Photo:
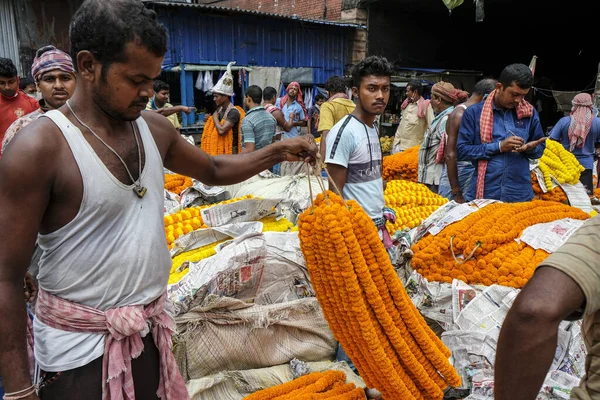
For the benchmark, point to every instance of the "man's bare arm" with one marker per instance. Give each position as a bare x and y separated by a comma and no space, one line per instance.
452,127
338,174
25,188
184,158
529,334
280,118
223,128
173,110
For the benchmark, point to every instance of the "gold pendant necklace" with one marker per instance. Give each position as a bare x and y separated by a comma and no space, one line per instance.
138,189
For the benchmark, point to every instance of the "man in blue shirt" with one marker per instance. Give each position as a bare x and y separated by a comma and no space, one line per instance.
293,109
579,133
512,134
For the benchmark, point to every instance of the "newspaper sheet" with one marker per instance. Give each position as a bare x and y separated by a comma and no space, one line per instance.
540,178
457,213
574,361
240,211
578,196
462,294
551,235
557,385
487,311
235,271
204,237
199,194
432,299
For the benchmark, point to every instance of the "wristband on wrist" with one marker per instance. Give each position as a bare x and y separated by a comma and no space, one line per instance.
500,146
456,191
21,394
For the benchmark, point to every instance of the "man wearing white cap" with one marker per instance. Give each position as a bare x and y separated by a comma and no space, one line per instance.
226,111
54,75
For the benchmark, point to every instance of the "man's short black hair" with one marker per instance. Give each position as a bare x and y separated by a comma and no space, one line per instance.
255,93
520,74
371,66
7,68
485,86
26,82
269,93
104,27
335,84
320,97
416,86
160,85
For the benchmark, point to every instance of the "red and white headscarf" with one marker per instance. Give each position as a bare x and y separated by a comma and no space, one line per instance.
49,58
299,99
581,120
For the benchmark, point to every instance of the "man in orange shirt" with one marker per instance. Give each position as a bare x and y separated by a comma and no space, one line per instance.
14,103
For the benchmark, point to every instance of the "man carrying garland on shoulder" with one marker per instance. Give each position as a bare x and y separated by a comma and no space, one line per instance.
222,129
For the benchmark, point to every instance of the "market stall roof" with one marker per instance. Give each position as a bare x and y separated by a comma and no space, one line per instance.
238,10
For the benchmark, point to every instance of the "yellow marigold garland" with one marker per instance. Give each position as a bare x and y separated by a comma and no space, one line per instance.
215,144
366,306
403,165
413,202
177,183
481,248
559,163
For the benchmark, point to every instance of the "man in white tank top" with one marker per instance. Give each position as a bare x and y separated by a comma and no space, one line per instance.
87,181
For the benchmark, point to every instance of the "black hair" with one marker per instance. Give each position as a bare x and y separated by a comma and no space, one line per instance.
335,84
269,93
7,68
160,85
104,27
416,86
520,74
255,93
372,65
320,97
485,86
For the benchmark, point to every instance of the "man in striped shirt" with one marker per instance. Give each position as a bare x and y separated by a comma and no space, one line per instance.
259,126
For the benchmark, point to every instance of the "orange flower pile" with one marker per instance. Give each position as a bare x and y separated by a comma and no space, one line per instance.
177,183
366,306
189,220
557,194
596,193
413,202
404,165
481,248
317,385
215,144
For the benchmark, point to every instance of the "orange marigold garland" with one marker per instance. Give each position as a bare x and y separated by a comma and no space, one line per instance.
557,194
366,305
215,144
481,248
177,183
314,386
402,165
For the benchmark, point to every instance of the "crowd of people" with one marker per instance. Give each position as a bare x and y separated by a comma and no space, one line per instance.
480,147
92,200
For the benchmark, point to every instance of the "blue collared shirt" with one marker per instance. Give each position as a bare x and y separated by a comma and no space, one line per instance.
585,154
287,110
507,177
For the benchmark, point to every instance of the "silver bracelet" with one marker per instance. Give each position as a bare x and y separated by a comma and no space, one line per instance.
21,394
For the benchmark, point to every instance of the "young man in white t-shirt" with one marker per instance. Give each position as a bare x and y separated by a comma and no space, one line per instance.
353,152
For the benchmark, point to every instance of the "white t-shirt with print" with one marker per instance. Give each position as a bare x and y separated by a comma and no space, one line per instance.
355,146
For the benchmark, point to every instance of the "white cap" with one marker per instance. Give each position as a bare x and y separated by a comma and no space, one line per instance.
225,84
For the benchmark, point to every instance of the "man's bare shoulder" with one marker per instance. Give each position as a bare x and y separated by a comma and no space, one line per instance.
162,130
457,114
38,140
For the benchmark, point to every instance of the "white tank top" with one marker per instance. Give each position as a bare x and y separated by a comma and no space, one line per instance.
112,254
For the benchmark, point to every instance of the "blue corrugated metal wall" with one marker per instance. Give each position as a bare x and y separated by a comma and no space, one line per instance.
198,37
